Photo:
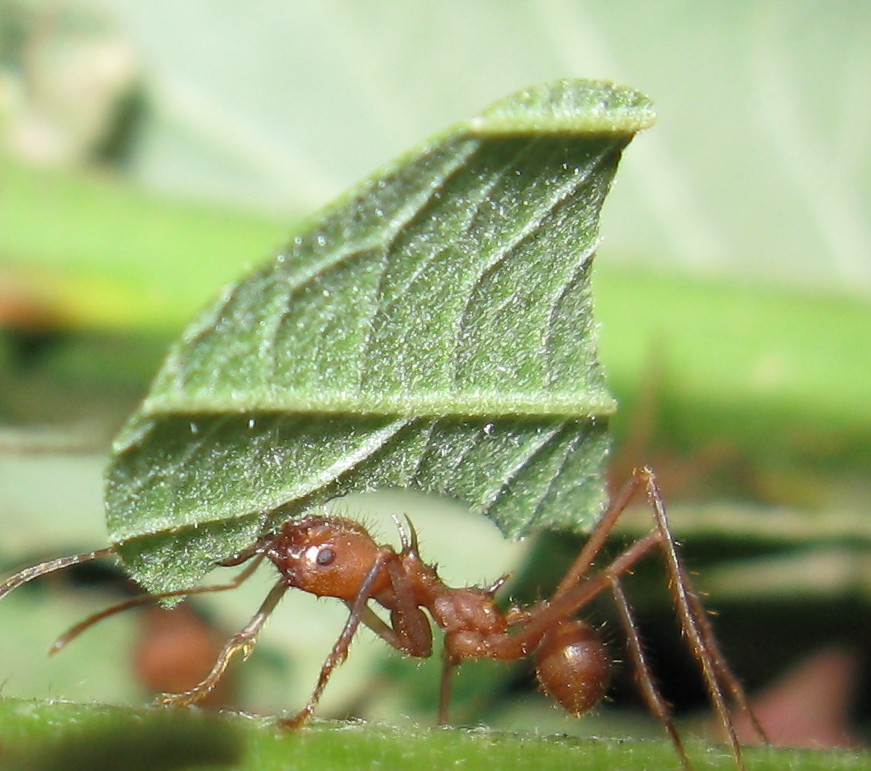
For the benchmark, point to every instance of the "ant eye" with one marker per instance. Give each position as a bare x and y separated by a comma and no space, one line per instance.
325,556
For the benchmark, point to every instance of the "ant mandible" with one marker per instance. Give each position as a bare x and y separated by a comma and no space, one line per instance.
332,556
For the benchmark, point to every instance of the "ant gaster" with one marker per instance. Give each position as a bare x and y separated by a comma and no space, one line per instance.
331,556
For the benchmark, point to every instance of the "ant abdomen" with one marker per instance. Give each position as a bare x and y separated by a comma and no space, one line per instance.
573,666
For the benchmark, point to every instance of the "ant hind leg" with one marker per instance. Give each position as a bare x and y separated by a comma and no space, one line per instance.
695,625
652,697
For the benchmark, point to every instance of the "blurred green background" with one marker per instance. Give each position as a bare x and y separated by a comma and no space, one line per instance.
150,152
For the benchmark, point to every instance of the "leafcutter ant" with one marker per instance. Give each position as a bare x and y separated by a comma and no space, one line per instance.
332,556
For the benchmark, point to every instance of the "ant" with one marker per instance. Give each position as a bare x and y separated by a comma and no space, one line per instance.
331,556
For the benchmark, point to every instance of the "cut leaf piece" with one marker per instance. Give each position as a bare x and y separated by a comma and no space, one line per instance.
433,329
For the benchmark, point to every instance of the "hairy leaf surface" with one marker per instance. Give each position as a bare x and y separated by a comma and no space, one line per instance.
432,329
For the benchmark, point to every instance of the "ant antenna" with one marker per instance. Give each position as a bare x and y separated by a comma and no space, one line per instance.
146,599
50,566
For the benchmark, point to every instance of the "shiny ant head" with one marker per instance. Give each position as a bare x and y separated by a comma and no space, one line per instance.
327,556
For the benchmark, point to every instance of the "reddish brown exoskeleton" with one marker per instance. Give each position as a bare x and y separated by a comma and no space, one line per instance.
336,557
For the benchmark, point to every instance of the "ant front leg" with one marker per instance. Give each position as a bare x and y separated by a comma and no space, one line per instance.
411,632
243,641
359,612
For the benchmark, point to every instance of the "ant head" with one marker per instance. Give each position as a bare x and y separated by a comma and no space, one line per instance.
327,556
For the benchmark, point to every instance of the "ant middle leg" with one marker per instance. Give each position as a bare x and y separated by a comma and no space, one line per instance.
450,662
449,666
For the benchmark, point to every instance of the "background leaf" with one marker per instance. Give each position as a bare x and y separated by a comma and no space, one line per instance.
431,330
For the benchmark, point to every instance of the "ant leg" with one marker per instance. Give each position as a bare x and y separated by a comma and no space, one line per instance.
340,648
372,621
736,690
655,703
574,590
449,666
693,615
74,631
243,641
450,663
533,625
50,566
696,627
420,648
424,649
600,534
411,632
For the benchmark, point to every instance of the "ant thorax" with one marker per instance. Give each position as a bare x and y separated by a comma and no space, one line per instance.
470,620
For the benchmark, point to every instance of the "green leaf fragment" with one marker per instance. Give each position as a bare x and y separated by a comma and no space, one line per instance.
433,329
